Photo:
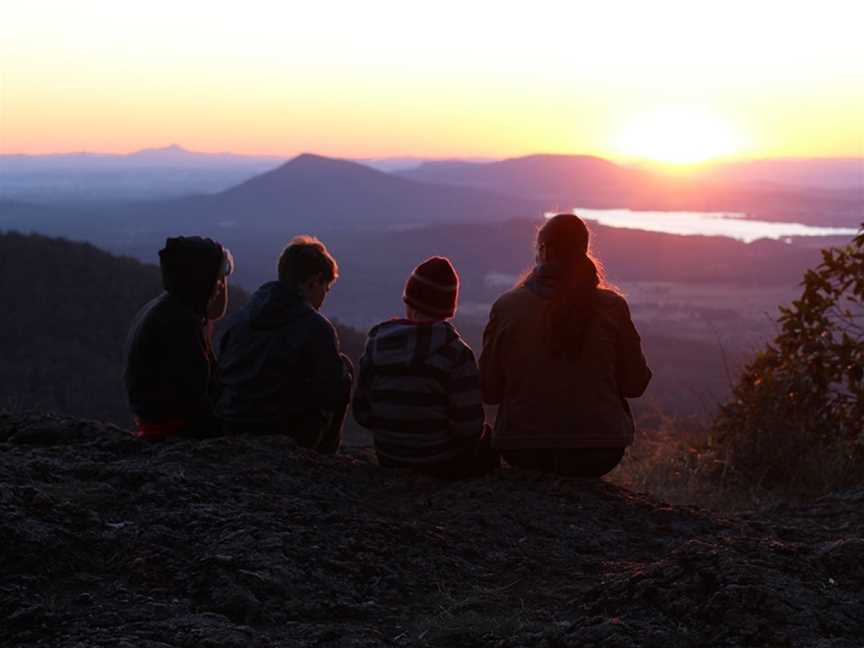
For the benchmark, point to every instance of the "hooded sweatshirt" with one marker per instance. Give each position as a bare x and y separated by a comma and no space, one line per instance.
419,392
170,373
279,360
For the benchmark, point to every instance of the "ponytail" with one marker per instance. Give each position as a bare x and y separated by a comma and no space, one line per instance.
568,313
563,244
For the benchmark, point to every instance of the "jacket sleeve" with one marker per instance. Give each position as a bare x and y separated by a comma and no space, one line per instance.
361,403
492,378
464,405
331,373
632,370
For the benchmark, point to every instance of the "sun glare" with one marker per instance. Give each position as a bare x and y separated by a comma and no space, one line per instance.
677,136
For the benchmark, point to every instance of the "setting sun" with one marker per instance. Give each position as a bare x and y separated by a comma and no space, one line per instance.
677,136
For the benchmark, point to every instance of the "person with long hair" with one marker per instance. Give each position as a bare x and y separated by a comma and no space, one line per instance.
560,357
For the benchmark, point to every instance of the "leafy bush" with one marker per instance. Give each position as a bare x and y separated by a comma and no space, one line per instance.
796,417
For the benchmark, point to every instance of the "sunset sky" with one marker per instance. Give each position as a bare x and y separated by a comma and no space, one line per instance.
676,81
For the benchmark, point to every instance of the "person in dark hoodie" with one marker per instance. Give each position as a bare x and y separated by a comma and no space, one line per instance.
561,356
418,388
171,375
279,359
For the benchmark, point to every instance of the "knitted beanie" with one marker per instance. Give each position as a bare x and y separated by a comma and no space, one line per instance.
433,288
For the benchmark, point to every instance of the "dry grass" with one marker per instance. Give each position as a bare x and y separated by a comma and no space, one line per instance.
680,461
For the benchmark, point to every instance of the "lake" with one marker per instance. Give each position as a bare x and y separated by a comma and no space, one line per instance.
732,224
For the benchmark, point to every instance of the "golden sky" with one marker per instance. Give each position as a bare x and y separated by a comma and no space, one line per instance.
671,80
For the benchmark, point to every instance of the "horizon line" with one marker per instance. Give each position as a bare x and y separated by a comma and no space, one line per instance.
424,158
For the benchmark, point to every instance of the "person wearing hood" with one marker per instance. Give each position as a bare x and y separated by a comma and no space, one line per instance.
280,364
171,375
560,357
418,388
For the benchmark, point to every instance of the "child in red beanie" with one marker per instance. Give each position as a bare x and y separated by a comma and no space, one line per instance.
419,387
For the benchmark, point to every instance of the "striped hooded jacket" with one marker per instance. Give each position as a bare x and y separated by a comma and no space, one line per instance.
418,390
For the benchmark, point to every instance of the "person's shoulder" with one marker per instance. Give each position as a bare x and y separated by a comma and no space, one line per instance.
513,298
383,327
318,323
610,297
450,333
167,311
454,345
612,302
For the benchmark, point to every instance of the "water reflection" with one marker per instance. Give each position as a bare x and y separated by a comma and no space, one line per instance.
731,224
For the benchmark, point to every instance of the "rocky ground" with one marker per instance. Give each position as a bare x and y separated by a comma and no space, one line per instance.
247,542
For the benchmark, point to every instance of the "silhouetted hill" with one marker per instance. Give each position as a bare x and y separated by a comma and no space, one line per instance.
251,541
809,173
556,179
338,193
310,194
67,307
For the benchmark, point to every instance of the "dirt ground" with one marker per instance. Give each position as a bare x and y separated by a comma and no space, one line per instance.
248,541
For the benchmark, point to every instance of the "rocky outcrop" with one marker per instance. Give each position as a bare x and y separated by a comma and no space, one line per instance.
109,541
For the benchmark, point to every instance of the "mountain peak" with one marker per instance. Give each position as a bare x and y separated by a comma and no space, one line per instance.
172,150
313,161
310,166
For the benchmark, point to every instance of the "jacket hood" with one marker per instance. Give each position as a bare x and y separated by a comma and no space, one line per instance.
404,342
190,266
275,304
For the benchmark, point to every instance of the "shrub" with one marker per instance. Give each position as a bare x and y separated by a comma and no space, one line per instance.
796,417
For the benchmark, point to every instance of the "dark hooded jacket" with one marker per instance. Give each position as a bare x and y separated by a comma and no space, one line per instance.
279,361
171,373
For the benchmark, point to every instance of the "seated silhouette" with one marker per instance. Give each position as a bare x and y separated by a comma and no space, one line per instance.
170,375
560,357
418,386
279,358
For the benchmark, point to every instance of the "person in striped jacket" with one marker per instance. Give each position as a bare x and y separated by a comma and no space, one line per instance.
418,388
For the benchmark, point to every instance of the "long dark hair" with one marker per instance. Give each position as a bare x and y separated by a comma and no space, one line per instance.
562,246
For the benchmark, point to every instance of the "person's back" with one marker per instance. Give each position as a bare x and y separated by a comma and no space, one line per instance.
556,400
418,388
560,357
279,359
170,375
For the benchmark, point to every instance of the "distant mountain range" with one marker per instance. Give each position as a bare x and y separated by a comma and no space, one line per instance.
349,204
169,156
550,178
149,174
564,182
825,173
334,199
774,186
